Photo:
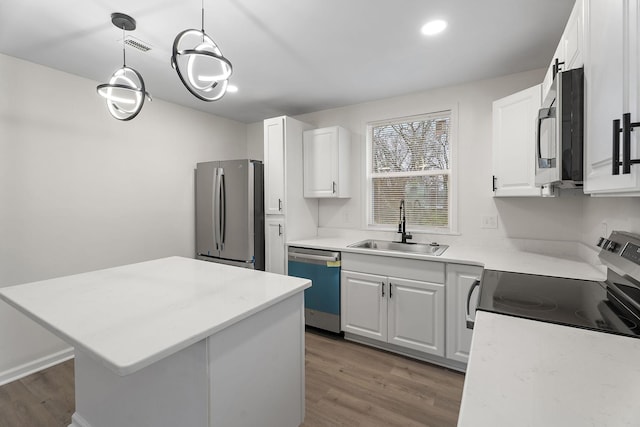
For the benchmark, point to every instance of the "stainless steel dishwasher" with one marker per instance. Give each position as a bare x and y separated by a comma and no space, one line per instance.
322,299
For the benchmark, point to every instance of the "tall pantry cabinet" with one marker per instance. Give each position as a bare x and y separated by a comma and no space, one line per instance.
288,215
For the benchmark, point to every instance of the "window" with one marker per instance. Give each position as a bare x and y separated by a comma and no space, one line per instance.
410,159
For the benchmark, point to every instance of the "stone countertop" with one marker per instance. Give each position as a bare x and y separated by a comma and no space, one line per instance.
524,373
132,316
490,258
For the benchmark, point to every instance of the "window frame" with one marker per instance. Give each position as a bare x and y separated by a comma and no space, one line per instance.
453,173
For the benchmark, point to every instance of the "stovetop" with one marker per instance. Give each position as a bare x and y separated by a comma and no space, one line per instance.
570,302
611,306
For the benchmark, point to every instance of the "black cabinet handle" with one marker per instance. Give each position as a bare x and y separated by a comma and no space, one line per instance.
557,67
382,288
615,155
627,127
627,161
493,183
626,143
390,290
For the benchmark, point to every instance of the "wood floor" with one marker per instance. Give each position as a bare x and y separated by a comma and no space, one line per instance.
347,384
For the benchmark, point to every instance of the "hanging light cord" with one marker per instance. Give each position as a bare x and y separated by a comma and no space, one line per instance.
202,21
124,54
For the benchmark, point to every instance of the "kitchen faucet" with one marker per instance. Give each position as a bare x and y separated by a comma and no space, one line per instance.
402,227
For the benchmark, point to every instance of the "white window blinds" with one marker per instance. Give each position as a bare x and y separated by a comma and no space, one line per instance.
410,161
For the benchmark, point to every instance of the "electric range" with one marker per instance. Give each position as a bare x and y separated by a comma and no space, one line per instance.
611,306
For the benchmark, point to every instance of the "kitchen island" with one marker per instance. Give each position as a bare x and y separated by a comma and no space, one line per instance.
177,341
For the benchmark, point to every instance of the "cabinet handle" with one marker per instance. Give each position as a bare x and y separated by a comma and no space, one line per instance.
279,229
557,67
493,183
627,127
475,284
615,155
334,187
383,289
280,204
390,290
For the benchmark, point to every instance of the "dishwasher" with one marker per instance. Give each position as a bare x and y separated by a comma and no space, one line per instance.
322,299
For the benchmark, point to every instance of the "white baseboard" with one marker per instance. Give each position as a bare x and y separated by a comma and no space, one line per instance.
35,366
78,421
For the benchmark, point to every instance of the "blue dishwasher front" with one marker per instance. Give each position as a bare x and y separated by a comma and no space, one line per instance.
322,299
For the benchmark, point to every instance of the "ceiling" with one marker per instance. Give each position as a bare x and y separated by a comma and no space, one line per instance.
292,56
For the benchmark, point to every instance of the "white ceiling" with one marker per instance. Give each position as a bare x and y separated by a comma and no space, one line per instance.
293,56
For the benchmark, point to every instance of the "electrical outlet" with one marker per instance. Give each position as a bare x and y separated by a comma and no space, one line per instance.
489,221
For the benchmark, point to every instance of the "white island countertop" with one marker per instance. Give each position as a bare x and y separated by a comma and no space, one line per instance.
132,316
489,257
525,373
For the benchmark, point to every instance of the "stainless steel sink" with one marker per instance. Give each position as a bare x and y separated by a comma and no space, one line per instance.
416,248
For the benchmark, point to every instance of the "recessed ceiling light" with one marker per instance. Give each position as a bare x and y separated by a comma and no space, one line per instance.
434,27
232,88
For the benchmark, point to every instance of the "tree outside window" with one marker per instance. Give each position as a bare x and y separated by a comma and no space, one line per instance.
410,161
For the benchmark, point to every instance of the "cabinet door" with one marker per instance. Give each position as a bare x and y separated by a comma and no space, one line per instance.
611,76
416,315
460,279
363,308
275,245
320,152
550,74
274,166
514,119
572,44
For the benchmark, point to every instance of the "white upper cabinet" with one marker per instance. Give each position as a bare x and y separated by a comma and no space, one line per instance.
326,154
569,53
612,89
514,119
274,166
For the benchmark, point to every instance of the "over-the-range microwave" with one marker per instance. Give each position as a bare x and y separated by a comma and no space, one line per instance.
560,128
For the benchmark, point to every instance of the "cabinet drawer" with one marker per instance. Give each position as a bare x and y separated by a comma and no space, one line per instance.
426,271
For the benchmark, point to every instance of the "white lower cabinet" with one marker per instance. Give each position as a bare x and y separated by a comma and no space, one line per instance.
416,315
364,305
404,311
274,243
461,305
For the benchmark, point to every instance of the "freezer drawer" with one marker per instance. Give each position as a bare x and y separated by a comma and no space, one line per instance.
322,299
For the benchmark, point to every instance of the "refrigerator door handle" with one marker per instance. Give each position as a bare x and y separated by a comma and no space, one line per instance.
216,207
223,209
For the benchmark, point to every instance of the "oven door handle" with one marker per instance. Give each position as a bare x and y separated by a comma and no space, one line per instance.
475,284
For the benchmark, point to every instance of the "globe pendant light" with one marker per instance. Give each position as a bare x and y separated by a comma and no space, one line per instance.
125,92
201,68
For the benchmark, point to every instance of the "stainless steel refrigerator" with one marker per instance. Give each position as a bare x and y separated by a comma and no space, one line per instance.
230,212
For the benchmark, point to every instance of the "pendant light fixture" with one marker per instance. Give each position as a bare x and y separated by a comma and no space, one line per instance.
201,68
125,92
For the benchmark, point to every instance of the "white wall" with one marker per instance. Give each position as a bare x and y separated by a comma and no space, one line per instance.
601,215
521,218
81,191
255,141
568,218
